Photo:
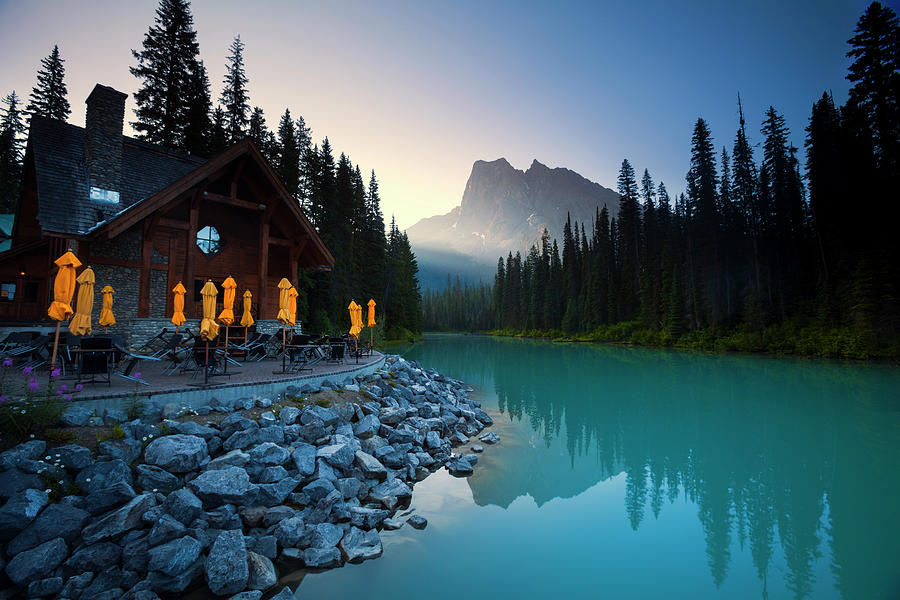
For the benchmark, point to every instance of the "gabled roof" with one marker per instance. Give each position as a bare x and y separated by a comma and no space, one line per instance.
64,204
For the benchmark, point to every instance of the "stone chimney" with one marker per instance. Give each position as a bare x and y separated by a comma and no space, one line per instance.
103,137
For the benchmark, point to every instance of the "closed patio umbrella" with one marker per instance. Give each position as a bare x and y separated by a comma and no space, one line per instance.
227,314
107,318
208,327
292,306
178,306
355,323
371,323
247,318
81,321
284,300
63,289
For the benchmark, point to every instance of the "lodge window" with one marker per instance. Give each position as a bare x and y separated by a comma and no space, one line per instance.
30,294
7,292
208,240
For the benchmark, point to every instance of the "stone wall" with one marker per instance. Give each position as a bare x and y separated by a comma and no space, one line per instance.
126,282
158,293
125,246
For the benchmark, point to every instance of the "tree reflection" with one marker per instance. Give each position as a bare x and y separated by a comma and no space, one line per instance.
774,453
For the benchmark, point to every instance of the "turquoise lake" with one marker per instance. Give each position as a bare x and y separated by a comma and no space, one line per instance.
638,473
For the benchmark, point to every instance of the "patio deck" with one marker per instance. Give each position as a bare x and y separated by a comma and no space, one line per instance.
250,379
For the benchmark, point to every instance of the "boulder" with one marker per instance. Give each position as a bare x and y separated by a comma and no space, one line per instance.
76,416
314,413
284,594
478,448
391,488
76,584
392,415
228,485
367,427
276,514
322,558
489,438
175,557
291,533
271,433
100,501
166,528
417,522
13,481
45,587
267,545
57,520
288,415
272,494
183,505
36,563
459,467
348,487
248,595
96,557
262,572
339,456
178,453
392,524
20,510
325,535
227,571
304,457
272,474
234,458
358,545
192,428
104,473
269,453
370,465
150,478
318,489
367,518
241,439
32,450
73,456
118,521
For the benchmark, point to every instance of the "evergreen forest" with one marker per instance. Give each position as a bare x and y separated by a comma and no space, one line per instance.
770,248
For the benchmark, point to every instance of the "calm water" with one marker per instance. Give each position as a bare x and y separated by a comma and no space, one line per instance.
634,473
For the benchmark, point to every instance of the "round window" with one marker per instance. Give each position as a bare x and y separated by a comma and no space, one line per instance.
209,241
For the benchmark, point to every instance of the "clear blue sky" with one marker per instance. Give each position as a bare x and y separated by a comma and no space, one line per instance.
420,90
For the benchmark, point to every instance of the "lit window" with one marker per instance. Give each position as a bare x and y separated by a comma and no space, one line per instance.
209,241
7,292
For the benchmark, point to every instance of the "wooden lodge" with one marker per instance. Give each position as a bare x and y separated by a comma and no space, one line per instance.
146,217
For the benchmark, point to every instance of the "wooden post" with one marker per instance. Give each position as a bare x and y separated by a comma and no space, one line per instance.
146,255
55,345
263,268
190,251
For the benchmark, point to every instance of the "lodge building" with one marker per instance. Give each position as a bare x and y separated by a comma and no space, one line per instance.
146,217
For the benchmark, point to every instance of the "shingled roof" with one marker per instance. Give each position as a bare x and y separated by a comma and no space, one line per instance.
64,204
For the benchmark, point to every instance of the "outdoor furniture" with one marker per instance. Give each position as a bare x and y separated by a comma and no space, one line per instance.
95,358
304,354
206,359
337,352
259,349
17,339
128,361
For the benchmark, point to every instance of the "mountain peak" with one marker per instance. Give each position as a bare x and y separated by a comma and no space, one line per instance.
538,165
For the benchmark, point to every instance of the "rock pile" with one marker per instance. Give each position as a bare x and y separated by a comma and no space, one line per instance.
177,505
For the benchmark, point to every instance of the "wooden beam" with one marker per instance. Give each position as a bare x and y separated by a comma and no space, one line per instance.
277,241
146,255
263,268
171,275
174,224
190,251
254,206
237,177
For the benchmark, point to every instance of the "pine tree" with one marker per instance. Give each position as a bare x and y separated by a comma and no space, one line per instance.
218,141
48,97
629,240
12,127
167,64
258,131
235,98
287,164
703,215
198,125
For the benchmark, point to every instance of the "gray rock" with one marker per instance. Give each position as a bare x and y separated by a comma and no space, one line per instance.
269,453
76,416
177,453
192,428
267,545
315,413
489,438
242,439
284,594
28,451
235,422
96,557
119,521
367,427
417,522
267,418
234,458
75,585
272,494
183,505
458,439
175,557
57,520
73,456
348,487
231,484
304,457
358,545
100,501
339,456
325,535
248,595
104,473
13,481
477,448
433,440
45,587
392,524
318,489
34,564
153,478
288,415
112,416
322,558
139,594
262,572
370,465
276,514
166,528
272,474
227,571
20,510
471,458
177,584
392,488
290,533
392,415
271,433
367,518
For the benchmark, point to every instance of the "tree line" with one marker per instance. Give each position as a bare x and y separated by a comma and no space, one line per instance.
175,109
760,252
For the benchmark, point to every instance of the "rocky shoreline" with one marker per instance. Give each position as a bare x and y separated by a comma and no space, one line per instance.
173,506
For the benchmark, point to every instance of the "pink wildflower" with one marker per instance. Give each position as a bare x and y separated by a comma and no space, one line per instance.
33,384
54,373
26,371
7,362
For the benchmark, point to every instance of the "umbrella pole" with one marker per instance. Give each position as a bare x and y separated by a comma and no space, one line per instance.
55,346
226,347
283,348
206,366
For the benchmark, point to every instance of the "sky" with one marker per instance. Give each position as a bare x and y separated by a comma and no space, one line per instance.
419,90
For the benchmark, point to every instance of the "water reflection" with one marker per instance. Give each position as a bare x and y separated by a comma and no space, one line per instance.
800,455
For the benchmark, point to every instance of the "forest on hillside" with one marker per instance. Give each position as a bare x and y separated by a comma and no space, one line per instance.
762,252
175,110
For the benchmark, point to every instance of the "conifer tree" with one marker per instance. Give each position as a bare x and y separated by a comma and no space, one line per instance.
235,98
198,124
48,97
629,240
167,64
218,141
258,131
12,127
287,163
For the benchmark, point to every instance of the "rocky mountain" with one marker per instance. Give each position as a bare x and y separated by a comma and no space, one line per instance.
503,210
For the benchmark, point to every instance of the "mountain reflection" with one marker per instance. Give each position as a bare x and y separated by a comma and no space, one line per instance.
772,452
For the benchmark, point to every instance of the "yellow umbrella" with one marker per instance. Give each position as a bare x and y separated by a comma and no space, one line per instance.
371,322
246,319
63,288
208,327
107,319
355,318
81,322
283,299
178,306
292,306
227,314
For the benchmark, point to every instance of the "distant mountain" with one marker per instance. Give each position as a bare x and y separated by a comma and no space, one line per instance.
503,210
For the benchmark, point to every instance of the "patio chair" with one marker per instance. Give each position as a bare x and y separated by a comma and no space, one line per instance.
337,352
259,349
95,358
17,339
128,361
